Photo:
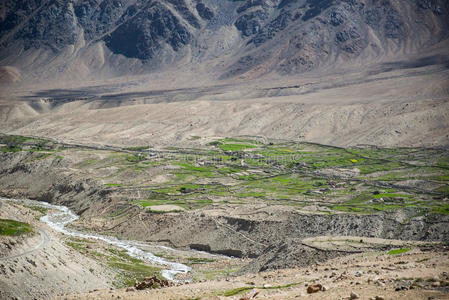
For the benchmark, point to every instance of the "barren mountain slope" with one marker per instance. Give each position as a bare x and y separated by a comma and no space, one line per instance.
79,39
401,107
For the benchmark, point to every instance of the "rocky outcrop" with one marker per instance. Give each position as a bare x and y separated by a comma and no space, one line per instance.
204,11
147,32
45,27
151,283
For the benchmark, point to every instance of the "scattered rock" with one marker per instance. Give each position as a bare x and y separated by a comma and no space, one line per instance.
435,284
354,296
130,289
401,288
379,298
151,283
314,288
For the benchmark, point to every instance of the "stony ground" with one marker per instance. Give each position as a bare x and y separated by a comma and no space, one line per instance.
412,275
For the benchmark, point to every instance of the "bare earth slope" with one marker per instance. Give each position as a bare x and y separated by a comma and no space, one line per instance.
398,107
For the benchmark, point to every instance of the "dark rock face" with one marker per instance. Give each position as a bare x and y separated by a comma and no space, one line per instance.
373,17
249,4
303,34
141,36
394,26
275,26
316,7
250,23
182,8
350,40
386,16
337,17
45,27
15,13
437,6
204,11
98,19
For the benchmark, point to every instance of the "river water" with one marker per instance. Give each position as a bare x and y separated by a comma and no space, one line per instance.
59,216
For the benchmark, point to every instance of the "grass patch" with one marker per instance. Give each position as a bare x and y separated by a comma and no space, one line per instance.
10,148
378,167
191,167
13,139
79,246
41,155
113,184
444,189
398,251
14,228
80,240
346,208
41,210
196,260
124,255
135,158
441,209
235,147
137,148
237,291
130,272
390,195
240,290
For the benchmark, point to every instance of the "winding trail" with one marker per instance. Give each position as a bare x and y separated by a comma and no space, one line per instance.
44,241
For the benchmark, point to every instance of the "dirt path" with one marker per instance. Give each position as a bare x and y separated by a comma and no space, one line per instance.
43,242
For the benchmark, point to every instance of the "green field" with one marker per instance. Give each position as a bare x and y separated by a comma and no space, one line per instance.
361,180
14,228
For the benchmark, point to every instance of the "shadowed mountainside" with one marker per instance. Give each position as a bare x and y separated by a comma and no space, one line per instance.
46,39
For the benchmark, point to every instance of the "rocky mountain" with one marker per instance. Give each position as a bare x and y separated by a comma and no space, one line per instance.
77,38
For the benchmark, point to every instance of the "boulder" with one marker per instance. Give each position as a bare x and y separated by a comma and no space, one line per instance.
151,283
314,288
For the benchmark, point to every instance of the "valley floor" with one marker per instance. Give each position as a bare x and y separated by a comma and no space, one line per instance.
242,172
365,219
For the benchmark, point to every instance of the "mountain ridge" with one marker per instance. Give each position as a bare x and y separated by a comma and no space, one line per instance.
47,39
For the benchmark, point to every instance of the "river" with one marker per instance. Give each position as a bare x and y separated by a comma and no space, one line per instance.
58,217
